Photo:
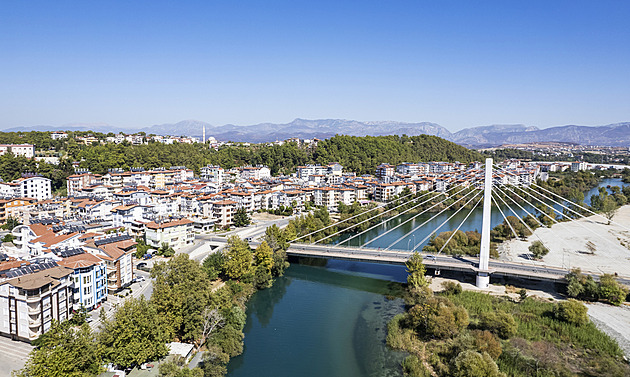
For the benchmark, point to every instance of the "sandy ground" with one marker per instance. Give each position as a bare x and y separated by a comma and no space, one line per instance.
567,245
614,321
264,216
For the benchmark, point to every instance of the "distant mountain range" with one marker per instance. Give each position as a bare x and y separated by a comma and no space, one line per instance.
486,136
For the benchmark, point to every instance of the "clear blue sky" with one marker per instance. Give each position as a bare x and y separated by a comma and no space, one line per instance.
456,63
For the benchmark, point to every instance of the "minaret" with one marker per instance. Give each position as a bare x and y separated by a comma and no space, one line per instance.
204,134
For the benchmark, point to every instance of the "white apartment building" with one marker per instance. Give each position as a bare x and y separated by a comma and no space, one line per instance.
32,298
213,173
56,135
256,172
223,212
35,187
176,233
26,150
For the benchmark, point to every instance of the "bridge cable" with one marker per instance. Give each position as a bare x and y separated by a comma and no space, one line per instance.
386,220
566,223
375,216
424,223
520,219
566,200
460,225
444,222
355,216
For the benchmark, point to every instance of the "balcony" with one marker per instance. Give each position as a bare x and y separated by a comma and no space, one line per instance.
33,298
34,309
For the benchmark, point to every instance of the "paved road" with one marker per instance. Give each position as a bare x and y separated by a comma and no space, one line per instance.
205,244
13,355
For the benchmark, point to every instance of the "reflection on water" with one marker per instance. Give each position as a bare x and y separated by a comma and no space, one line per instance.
318,321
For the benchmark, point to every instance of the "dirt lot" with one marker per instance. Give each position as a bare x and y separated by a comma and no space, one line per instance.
567,245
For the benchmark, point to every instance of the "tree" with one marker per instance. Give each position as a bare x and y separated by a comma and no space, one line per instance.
181,292
10,223
212,319
8,238
447,321
64,351
609,207
474,364
136,334
177,368
241,218
263,256
166,251
590,246
238,258
571,311
538,250
416,271
214,265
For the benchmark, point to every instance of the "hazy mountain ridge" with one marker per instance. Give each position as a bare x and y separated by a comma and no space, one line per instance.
611,135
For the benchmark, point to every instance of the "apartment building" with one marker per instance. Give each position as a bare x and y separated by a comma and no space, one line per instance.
89,277
383,171
255,172
117,253
26,150
76,182
32,297
175,233
223,212
213,173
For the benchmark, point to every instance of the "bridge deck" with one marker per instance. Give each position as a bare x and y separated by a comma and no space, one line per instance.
500,268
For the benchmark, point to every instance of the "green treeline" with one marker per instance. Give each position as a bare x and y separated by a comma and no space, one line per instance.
203,304
463,333
358,154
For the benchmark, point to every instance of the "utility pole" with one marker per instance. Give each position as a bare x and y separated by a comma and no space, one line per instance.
483,275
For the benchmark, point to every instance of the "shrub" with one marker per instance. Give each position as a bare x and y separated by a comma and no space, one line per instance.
571,311
538,250
452,288
474,364
499,323
611,291
413,367
447,322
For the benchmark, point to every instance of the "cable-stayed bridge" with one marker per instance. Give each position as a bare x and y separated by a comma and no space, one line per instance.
472,192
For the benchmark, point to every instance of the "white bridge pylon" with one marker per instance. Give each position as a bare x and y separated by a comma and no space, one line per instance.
483,274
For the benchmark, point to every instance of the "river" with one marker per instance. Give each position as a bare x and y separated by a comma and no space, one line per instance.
330,319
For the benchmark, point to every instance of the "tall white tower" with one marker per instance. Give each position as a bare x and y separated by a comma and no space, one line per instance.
483,277
203,139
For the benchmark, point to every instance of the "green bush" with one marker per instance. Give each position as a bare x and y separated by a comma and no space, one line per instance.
452,288
571,311
474,364
413,367
499,323
538,250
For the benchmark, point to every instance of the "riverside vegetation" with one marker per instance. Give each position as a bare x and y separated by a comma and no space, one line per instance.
189,304
462,333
